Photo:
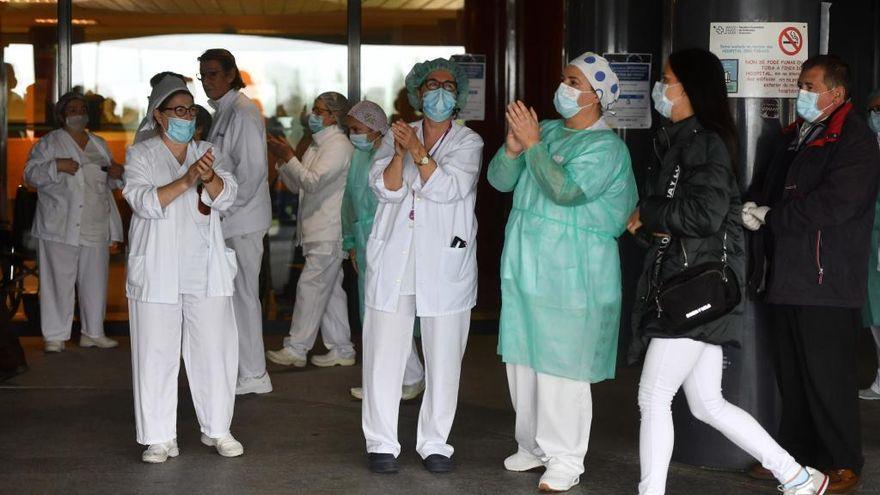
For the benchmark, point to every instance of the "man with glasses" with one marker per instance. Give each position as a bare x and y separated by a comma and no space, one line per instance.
240,133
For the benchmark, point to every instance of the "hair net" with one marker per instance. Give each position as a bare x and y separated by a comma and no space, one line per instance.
337,105
62,104
371,115
419,73
603,80
161,91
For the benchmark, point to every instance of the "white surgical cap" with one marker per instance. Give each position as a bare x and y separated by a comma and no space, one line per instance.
601,77
371,115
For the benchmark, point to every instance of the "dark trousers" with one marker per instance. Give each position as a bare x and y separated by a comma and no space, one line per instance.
816,370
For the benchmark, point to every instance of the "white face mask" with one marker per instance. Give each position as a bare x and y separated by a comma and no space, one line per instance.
76,123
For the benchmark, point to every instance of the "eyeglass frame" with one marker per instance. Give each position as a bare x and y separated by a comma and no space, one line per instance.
192,110
450,86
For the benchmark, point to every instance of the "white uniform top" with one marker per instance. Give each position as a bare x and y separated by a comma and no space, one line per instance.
320,180
443,208
94,228
171,247
62,197
239,133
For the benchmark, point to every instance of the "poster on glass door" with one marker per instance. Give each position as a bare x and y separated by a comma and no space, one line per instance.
475,68
633,109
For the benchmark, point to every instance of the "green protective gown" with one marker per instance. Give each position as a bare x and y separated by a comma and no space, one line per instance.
560,270
871,311
358,209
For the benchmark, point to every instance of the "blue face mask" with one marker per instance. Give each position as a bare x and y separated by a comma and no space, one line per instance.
180,130
662,104
438,104
808,105
361,142
316,123
566,101
874,121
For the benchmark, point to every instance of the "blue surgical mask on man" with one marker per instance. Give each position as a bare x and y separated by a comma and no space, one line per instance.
316,123
808,105
180,130
874,121
662,103
438,104
361,142
566,101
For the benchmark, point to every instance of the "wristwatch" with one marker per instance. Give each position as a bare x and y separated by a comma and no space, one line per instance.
424,161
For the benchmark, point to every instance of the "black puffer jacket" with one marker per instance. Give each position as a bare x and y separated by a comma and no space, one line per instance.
814,249
705,206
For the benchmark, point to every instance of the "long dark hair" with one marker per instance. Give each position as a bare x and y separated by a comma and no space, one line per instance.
702,76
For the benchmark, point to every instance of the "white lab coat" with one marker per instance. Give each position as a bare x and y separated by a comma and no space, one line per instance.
320,181
153,257
445,277
239,132
61,196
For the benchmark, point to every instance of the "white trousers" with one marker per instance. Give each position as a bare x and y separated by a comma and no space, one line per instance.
553,417
414,372
63,268
246,301
202,329
387,346
697,366
321,303
876,332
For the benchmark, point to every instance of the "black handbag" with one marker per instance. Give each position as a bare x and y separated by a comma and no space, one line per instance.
696,296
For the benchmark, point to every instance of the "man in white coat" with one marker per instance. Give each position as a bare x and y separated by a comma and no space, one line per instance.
319,178
76,221
240,133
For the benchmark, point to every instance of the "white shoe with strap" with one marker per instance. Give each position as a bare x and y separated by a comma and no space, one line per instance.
227,445
158,453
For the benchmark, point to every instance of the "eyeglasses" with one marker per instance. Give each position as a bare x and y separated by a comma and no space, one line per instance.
182,111
433,84
319,111
211,74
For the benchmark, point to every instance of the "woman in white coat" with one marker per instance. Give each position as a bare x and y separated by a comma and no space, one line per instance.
180,279
320,180
421,260
76,221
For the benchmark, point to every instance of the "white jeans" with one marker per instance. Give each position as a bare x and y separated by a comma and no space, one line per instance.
321,303
63,268
876,332
696,366
205,326
246,301
387,346
553,417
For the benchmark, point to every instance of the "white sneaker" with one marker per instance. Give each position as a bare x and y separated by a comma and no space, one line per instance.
410,392
868,394
816,484
102,342
53,346
226,446
258,385
555,481
357,393
332,358
160,452
288,357
522,461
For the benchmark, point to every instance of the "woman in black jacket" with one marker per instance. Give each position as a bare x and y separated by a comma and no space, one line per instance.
692,205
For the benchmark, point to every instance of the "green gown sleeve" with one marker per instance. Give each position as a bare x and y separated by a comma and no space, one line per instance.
348,218
504,172
556,181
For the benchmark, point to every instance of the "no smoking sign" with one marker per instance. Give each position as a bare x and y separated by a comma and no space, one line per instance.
791,41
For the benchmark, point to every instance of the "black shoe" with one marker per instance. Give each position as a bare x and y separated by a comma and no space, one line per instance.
383,463
437,463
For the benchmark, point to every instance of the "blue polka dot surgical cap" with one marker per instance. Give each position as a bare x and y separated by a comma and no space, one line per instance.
601,77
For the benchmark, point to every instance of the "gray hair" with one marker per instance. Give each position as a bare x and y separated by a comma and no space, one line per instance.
337,105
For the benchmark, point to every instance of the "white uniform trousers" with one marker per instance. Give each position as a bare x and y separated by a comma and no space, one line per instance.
875,331
553,417
203,328
321,303
414,372
246,301
62,268
387,346
697,367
